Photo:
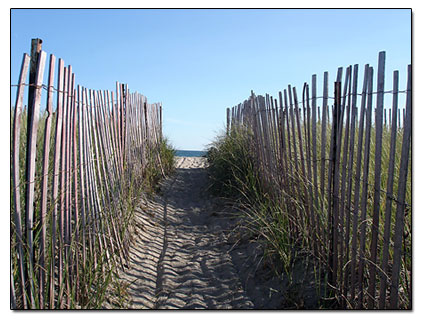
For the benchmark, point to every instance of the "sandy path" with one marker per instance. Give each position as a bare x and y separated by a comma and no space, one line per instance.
187,253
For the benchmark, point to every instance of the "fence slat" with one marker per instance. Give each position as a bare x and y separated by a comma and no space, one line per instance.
377,178
323,149
399,225
388,201
16,173
364,196
350,182
62,186
56,173
332,183
75,169
282,138
44,184
308,178
342,223
68,187
82,176
90,215
363,114
315,161
345,110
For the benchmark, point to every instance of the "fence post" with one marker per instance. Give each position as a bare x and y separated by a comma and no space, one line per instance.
36,47
32,129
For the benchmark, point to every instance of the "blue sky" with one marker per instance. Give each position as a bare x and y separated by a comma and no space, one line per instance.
199,62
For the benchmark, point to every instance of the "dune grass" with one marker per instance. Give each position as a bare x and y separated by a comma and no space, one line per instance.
278,216
95,252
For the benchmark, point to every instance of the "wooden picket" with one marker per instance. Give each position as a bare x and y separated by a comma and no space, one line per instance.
388,205
44,189
16,175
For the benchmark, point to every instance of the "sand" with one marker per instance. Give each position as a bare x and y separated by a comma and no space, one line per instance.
191,252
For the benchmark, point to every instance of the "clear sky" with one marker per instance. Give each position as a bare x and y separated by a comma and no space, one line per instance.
199,62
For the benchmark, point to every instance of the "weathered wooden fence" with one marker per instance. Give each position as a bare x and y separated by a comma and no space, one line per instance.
344,179
81,158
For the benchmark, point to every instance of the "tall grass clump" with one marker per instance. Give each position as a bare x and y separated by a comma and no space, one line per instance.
161,163
167,154
231,167
234,175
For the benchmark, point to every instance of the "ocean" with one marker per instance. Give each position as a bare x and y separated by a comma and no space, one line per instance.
190,153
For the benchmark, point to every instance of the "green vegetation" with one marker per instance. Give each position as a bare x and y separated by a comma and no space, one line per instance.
98,243
231,165
234,175
163,166
277,212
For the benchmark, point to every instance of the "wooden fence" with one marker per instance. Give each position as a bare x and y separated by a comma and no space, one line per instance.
72,168
344,179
